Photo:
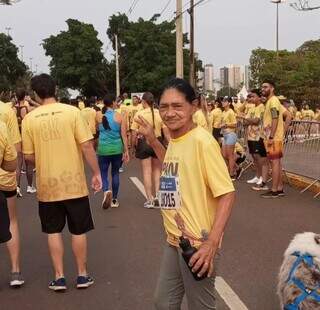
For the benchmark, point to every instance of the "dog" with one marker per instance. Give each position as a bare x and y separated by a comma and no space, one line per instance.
299,277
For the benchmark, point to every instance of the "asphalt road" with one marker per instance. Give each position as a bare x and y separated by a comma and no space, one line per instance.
126,246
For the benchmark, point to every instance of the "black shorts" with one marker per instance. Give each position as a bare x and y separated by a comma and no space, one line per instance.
5,234
216,132
144,150
257,147
9,194
77,212
241,158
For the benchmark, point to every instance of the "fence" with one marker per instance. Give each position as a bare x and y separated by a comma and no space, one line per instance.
301,149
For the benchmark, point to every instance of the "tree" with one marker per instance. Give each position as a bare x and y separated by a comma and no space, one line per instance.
227,91
77,61
147,51
12,68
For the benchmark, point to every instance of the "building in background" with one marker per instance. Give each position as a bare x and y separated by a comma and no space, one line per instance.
224,77
234,76
247,76
208,78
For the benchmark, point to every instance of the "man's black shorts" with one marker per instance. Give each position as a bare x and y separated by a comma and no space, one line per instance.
5,234
76,212
216,132
257,147
9,194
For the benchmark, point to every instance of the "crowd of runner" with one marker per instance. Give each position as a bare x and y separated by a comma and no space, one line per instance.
190,154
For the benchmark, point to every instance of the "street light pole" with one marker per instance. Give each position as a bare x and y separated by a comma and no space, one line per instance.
117,67
21,50
192,60
31,63
277,2
179,40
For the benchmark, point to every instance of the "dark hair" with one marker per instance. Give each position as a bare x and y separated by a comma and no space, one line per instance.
20,94
270,82
74,102
65,100
149,99
183,87
89,102
108,102
44,86
256,91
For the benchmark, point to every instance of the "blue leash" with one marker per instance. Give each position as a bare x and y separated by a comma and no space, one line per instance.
305,291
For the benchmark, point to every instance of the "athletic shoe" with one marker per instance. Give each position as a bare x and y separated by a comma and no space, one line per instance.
19,194
58,285
262,187
233,178
107,199
115,203
148,205
156,202
260,181
16,280
84,281
270,194
239,173
253,181
31,190
23,171
281,193
121,170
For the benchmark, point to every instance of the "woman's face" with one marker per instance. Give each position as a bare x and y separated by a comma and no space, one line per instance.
225,104
175,111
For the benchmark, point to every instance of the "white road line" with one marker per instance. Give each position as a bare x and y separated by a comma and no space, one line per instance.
231,299
228,295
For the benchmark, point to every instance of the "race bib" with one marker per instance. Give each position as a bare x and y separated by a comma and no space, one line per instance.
169,194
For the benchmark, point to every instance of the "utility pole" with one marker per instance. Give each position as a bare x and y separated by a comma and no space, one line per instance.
179,40
277,2
117,67
192,60
21,50
31,63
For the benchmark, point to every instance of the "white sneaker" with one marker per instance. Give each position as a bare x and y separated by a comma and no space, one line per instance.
259,181
19,194
31,190
115,203
148,205
107,199
253,181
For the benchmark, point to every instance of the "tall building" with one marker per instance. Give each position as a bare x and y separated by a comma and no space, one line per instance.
234,76
247,76
208,78
224,77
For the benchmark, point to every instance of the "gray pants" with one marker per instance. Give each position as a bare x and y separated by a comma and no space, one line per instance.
176,279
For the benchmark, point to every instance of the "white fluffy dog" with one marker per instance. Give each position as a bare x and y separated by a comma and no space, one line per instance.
299,277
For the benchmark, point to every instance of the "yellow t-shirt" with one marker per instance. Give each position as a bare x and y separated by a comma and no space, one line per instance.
273,105
195,162
237,107
307,115
7,149
89,116
81,105
317,116
216,117
132,111
298,116
238,148
228,118
255,132
200,120
146,113
8,180
54,132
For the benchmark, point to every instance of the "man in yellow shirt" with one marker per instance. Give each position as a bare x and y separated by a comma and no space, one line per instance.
196,198
89,115
54,137
8,162
8,187
307,113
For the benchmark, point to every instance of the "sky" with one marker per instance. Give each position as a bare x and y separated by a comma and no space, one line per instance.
225,30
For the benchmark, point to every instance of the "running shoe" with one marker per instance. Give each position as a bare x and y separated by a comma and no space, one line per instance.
233,177
281,193
16,280
121,169
253,181
58,285
260,181
31,190
262,187
239,173
148,204
270,194
84,281
23,171
107,199
115,203
156,202
19,194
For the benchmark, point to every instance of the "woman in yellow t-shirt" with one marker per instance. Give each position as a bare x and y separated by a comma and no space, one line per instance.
201,116
228,126
151,166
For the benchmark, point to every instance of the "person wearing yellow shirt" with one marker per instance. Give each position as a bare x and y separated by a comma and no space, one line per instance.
132,111
274,132
238,106
216,116
8,187
196,199
317,115
89,115
81,104
150,164
56,137
307,114
8,162
201,116
228,127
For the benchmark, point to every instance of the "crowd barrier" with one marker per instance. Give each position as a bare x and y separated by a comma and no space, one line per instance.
301,150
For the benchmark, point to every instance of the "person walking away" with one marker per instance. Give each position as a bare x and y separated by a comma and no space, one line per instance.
201,116
8,187
228,127
216,116
55,137
21,110
112,150
196,198
151,166
89,114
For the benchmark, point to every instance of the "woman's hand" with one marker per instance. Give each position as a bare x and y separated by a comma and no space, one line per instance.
146,129
126,157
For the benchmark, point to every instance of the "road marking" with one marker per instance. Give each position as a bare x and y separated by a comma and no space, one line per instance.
231,299
228,295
